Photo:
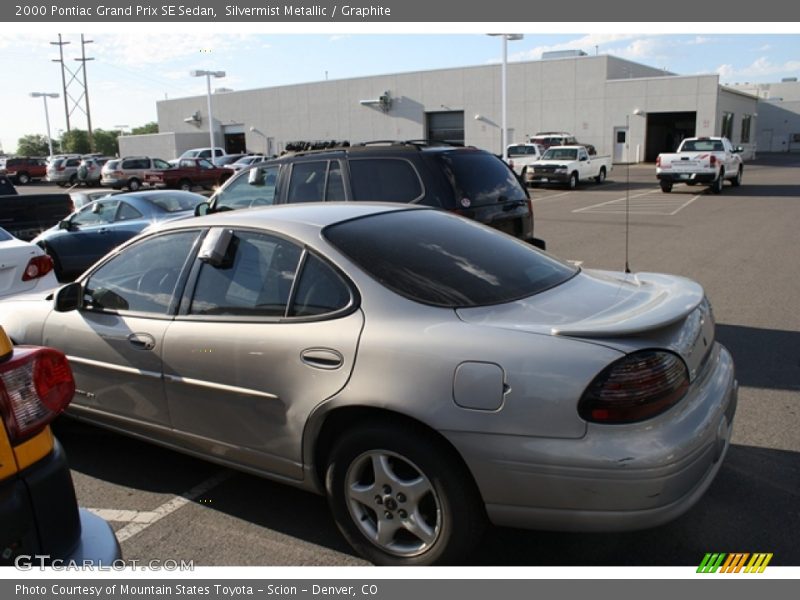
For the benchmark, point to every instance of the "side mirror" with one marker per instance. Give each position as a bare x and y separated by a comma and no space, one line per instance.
202,209
68,298
65,224
739,149
583,158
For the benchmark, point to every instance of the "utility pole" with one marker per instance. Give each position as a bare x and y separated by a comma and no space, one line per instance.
60,59
83,60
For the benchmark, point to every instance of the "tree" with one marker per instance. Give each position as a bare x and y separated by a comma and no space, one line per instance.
105,142
151,127
33,145
75,142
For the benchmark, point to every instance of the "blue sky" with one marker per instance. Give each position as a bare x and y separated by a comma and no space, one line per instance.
131,71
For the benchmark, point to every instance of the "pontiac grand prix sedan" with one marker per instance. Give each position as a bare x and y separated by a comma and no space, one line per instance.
424,371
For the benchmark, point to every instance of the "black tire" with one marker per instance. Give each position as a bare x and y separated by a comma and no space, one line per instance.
573,181
185,185
737,181
666,186
23,178
427,482
134,184
601,176
716,187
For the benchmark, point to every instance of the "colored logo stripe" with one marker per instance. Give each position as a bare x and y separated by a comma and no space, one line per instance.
734,562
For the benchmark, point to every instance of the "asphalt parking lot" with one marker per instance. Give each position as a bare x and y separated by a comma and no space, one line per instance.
742,245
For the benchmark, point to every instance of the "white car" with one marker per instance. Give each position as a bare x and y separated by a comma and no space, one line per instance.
24,267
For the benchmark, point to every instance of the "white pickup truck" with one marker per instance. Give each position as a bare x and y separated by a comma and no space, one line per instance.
708,160
569,165
522,156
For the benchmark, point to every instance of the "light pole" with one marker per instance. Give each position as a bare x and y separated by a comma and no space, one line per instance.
639,113
504,89
44,96
208,75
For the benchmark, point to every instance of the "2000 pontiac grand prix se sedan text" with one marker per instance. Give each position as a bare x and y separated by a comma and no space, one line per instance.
424,371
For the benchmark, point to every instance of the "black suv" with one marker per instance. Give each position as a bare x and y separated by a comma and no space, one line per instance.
467,181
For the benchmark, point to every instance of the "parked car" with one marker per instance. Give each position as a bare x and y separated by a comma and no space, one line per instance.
129,171
522,156
26,216
23,169
246,161
39,515
559,138
706,160
89,171
63,170
228,159
469,181
422,370
6,187
187,174
86,235
569,165
24,267
219,153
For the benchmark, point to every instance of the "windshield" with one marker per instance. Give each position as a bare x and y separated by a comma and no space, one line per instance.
560,154
176,201
444,260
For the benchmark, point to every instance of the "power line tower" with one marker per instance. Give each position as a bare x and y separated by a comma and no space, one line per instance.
73,102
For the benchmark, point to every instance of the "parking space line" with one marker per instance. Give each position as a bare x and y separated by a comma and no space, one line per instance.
682,206
145,519
551,196
585,208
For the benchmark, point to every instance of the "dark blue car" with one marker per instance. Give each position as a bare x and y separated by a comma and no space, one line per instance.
88,234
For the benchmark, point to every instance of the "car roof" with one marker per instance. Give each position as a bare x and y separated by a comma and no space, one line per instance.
316,215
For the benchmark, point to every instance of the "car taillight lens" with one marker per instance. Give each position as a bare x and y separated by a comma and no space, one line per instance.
36,385
658,160
636,387
712,160
38,266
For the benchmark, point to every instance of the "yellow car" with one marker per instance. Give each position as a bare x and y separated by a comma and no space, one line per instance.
40,522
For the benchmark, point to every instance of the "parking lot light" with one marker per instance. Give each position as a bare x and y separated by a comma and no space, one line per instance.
44,96
504,89
208,75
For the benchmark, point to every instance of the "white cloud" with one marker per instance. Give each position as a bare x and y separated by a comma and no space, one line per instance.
338,38
761,67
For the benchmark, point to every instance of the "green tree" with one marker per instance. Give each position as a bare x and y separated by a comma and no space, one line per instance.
151,127
75,142
105,142
33,145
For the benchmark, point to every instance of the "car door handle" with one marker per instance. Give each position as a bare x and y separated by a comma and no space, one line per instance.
142,341
322,358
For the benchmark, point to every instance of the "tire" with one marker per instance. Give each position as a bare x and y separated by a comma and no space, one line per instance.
185,185
666,186
134,184
601,176
716,187
573,181
23,178
421,507
737,181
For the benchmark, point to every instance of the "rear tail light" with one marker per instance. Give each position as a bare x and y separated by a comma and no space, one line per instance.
658,160
712,160
510,163
36,385
637,387
38,266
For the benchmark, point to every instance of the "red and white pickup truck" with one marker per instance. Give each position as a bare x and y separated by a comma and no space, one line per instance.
708,160
188,173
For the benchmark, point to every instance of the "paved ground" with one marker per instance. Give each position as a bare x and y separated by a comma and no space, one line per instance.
741,245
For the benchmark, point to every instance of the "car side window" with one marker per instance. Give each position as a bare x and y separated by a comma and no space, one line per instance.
127,212
141,278
384,180
255,187
335,188
307,182
158,164
254,280
96,213
320,290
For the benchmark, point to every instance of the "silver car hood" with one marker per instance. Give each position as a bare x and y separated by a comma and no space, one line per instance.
596,304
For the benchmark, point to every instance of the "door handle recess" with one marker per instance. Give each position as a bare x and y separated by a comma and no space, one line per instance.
322,358
142,341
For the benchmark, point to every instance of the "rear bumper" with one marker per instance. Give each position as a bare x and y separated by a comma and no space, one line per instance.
615,478
687,177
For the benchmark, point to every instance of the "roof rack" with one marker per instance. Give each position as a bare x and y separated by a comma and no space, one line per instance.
417,143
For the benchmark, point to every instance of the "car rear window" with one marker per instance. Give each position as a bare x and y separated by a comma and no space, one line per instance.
176,202
481,178
444,260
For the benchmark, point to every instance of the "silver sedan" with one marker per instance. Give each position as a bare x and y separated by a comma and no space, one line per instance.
425,372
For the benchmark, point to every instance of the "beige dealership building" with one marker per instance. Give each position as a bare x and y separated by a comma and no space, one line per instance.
626,109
